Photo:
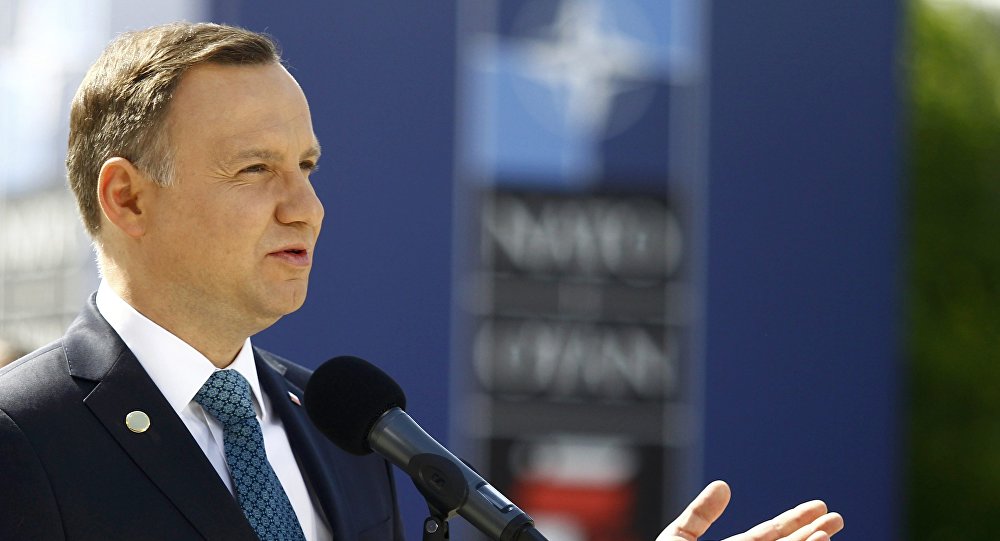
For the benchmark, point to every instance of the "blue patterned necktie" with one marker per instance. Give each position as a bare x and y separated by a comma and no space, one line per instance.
226,396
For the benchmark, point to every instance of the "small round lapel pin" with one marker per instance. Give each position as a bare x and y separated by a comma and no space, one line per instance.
137,422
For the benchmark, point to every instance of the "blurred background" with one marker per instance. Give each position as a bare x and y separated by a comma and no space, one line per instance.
616,249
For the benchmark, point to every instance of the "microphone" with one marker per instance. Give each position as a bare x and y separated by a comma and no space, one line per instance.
360,408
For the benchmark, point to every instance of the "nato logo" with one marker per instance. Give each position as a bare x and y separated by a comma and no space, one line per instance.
560,94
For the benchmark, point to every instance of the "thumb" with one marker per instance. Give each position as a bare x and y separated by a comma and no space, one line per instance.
700,514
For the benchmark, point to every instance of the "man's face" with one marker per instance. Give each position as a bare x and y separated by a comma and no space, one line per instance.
233,236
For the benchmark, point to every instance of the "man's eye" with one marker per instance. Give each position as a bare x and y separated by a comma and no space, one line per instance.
309,166
257,168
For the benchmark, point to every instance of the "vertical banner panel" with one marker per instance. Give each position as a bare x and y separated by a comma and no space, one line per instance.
579,343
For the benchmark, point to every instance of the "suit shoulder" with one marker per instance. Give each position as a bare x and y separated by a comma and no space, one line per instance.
37,390
48,350
33,370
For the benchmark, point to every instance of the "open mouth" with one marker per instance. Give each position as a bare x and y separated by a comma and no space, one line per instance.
294,256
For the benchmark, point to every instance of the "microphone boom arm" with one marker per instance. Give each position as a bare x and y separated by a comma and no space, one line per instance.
446,485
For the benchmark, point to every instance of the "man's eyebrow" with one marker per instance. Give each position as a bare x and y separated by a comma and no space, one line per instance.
314,152
266,155
253,154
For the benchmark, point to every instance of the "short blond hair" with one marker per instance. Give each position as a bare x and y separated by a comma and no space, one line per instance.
122,103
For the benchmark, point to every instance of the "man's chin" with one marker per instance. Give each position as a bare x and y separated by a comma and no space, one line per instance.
291,298
279,304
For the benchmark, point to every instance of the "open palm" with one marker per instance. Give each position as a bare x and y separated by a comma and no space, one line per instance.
809,521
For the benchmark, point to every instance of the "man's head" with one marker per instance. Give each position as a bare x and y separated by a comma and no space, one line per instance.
121,106
197,187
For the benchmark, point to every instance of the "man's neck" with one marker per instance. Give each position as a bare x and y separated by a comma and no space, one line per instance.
195,325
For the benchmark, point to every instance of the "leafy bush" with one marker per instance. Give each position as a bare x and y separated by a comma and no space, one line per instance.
954,291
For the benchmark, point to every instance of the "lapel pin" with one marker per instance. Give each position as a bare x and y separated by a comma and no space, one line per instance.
137,422
295,400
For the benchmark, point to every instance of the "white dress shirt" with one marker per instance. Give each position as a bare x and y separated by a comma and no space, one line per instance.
179,371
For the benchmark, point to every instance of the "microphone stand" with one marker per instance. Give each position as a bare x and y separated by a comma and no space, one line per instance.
436,526
444,489
443,486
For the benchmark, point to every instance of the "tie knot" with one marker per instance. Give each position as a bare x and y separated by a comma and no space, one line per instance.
226,396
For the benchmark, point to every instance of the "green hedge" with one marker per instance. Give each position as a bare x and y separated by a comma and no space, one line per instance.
954,271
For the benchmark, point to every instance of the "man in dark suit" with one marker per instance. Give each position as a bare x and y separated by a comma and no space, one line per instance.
190,153
154,417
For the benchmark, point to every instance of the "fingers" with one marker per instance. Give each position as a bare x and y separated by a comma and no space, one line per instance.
809,521
821,529
700,514
792,525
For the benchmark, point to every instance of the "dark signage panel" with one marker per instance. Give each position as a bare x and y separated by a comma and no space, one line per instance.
578,360
577,281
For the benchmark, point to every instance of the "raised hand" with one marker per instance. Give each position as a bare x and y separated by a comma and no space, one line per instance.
809,521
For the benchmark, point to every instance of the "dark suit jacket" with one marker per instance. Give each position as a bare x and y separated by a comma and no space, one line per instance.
70,468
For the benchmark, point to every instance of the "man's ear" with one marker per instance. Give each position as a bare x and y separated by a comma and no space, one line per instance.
124,194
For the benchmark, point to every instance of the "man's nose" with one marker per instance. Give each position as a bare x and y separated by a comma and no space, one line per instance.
300,204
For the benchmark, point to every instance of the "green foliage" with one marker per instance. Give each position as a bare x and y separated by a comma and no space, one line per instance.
954,327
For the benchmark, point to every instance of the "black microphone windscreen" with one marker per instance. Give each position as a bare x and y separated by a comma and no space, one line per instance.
346,396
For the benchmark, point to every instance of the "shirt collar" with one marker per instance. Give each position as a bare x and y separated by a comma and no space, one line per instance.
177,369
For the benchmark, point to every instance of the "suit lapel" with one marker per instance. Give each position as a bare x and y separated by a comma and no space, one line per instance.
166,452
320,473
